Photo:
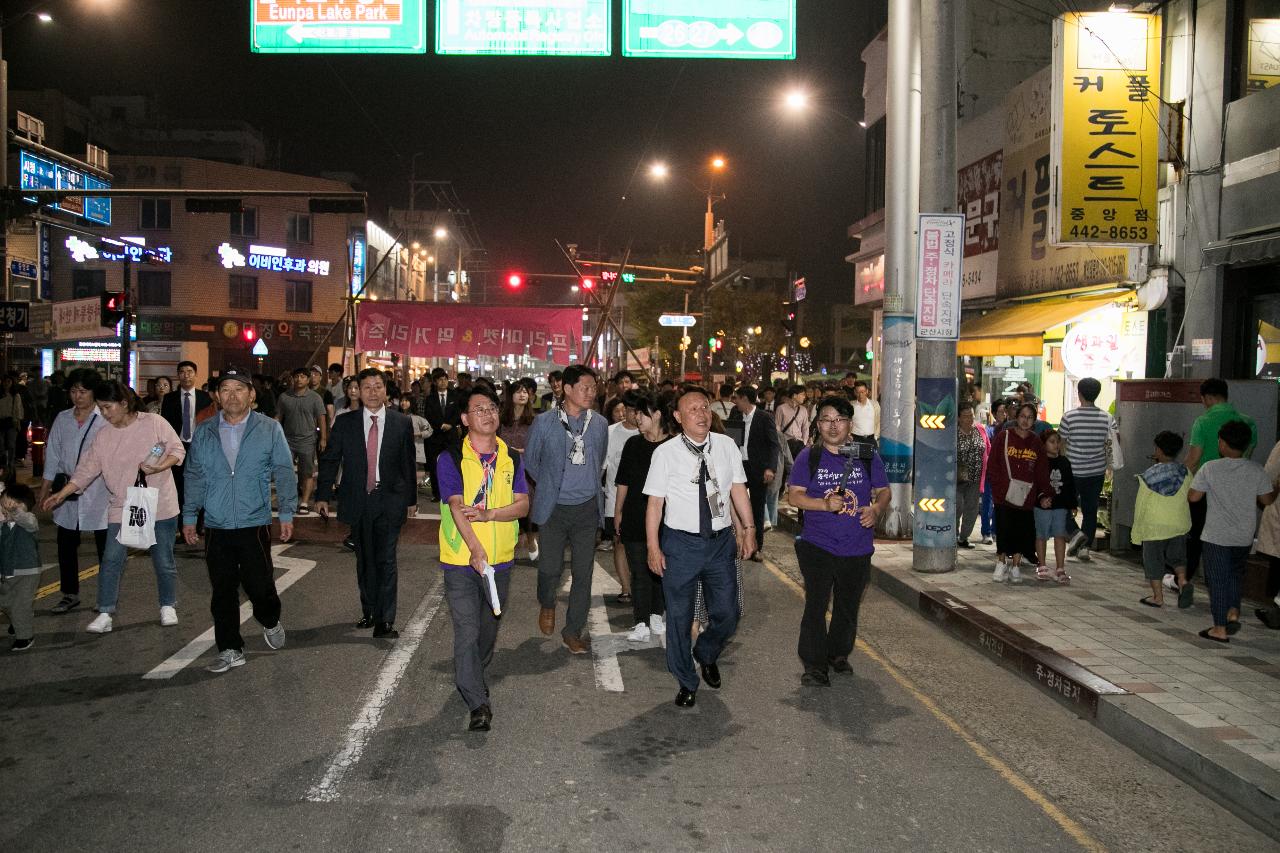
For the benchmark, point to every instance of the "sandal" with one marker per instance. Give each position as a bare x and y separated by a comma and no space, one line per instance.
623,598
1147,601
1233,627
1185,595
303,509
1043,574
1062,578
1205,633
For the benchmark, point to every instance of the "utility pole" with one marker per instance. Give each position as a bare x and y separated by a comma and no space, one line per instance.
902,208
934,550
684,333
126,323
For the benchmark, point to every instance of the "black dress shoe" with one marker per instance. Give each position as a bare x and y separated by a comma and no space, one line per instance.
686,698
481,719
365,622
384,629
815,678
711,675
349,543
841,665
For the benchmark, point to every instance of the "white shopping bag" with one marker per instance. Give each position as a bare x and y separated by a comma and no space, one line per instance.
138,519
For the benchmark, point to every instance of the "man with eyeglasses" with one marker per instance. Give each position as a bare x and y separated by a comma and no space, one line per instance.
564,455
483,489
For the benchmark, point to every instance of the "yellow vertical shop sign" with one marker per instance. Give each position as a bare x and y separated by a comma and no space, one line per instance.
1106,128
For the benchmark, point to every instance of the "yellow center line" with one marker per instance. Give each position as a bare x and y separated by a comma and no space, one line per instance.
49,589
1021,785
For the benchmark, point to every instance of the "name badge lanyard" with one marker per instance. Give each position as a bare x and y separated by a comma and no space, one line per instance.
713,485
578,453
489,469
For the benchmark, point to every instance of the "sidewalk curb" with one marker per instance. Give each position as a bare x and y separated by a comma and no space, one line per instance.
1245,787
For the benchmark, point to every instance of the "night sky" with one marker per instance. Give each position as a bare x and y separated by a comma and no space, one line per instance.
538,149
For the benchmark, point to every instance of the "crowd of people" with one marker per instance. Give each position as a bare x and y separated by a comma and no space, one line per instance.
678,482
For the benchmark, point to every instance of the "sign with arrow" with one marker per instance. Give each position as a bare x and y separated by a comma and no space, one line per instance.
933,504
933,421
338,26
710,29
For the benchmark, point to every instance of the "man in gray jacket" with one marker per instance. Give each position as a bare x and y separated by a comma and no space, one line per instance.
229,469
564,454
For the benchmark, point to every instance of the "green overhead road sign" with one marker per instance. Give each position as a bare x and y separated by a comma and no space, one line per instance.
710,29
338,26
524,27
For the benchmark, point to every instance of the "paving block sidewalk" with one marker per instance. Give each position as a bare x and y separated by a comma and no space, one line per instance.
1208,712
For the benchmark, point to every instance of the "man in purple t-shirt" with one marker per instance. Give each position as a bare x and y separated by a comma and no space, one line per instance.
842,497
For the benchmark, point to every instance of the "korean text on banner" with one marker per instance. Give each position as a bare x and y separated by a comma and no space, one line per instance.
429,330
938,272
1106,128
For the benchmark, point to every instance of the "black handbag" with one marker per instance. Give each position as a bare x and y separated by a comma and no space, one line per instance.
60,480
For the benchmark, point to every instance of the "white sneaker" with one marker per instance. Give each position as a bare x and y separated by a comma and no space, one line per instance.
987,540
1076,542
1001,572
768,525
101,625
1170,583
168,616
656,625
274,636
1083,556
1015,576
639,634
533,555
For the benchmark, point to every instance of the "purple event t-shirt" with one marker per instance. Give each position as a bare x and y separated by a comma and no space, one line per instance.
451,484
839,533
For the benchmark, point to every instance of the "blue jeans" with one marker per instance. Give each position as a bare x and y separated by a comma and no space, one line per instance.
691,558
1223,572
1088,491
113,559
988,512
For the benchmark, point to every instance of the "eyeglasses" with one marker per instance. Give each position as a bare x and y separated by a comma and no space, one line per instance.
483,410
829,421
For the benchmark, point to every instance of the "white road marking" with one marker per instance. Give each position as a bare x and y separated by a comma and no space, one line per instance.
192,651
378,698
604,643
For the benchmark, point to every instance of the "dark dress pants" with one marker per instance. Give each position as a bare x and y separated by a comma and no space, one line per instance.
757,491
475,629
691,558
240,558
376,534
576,526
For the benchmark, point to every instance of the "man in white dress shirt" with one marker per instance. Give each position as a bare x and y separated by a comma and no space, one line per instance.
698,518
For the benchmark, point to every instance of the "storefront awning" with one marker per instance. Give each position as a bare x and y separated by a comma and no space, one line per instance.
1019,330
1243,250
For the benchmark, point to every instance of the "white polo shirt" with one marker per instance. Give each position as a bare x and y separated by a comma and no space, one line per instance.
672,475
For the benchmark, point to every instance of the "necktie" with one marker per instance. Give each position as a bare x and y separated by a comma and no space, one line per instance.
371,455
442,404
704,509
186,416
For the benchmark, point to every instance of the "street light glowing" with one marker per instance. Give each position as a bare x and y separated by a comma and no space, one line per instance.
416,245
659,170
797,100
441,233
44,17
718,163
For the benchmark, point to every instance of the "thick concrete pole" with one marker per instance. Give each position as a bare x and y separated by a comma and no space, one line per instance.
902,207
935,549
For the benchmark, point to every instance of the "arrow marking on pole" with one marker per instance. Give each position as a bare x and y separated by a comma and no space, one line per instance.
933,504
933,421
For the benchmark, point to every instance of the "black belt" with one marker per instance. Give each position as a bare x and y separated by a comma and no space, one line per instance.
715,534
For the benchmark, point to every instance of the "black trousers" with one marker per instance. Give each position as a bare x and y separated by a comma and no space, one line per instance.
757,491
824,574
240,558
69,557
646,587
1199,511
376,534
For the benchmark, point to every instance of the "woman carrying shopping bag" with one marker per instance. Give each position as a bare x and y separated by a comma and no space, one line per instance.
136,446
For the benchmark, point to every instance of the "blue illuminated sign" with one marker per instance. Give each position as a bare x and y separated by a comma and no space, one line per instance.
357,261
37,173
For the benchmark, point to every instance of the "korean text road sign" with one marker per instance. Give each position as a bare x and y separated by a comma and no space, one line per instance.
524,27
677,320
338,26
707,29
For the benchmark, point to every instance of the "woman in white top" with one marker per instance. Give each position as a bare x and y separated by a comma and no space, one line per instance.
70,436
350,399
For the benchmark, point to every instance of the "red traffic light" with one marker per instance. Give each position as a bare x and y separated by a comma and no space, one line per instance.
249,334
515,281
588,284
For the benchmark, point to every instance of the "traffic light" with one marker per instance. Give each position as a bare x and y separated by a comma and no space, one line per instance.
112,309
249,335
588,284
515,281
788,318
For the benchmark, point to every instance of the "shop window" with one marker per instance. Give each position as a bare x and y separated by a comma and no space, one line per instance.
243,292
297,297
245,223
154,289
298,228
86,283
155,214
1256,58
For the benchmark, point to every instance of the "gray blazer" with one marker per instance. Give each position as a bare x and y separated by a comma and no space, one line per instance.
545,452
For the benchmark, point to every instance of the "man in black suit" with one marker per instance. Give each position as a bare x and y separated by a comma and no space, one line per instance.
761,454
379,490
442,412
179,408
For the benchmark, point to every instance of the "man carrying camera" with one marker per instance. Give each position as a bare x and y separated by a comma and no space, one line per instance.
843,490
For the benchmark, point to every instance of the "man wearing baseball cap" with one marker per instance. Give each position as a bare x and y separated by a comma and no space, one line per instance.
232,459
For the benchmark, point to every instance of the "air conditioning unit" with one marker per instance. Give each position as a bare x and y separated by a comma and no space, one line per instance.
1171,202
30,127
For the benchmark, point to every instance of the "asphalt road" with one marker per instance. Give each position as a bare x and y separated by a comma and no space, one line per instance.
342,742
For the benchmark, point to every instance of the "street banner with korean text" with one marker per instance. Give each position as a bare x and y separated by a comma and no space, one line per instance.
938,270
1028,264
79,319
1106,128
435,330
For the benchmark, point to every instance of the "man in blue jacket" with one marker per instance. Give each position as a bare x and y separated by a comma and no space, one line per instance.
230,466
564,454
